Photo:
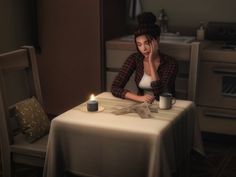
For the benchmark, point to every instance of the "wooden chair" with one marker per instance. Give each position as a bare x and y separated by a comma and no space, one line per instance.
18,80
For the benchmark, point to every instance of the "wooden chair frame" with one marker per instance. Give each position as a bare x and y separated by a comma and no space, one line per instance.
14,148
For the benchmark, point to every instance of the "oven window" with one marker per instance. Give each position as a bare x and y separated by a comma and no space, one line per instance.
229,86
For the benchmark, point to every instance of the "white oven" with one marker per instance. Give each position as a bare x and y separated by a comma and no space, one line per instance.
217,85
216,89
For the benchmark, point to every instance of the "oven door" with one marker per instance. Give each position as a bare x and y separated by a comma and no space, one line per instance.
217,85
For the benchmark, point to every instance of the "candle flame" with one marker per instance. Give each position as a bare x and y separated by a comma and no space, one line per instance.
92,97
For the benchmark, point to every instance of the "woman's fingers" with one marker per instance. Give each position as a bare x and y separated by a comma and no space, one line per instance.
149,98
153,47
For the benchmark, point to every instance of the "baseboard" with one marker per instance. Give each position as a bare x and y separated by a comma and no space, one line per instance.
218,138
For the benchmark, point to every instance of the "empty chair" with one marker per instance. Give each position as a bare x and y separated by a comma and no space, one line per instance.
22,140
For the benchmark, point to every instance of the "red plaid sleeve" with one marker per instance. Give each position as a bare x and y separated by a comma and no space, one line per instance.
120,81
167,72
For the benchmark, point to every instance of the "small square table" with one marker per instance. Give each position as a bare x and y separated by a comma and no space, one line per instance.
102,144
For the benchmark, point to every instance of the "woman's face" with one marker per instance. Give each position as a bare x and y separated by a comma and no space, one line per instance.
143,45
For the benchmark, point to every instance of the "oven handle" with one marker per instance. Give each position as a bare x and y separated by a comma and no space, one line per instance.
220,115
224,71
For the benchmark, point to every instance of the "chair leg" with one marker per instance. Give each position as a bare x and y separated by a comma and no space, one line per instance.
6,165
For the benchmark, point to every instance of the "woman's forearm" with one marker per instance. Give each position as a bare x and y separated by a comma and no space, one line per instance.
139,98
132,96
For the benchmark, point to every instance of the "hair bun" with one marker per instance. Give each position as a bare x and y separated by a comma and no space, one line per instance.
147,18
147,26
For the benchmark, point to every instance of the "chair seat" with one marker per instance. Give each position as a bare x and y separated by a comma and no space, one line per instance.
21,146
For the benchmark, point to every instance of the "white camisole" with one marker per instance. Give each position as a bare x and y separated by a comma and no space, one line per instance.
145,84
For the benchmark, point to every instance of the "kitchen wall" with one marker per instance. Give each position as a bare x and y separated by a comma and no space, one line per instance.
16,30
186,15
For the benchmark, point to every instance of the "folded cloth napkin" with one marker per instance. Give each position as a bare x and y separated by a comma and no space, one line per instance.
143,110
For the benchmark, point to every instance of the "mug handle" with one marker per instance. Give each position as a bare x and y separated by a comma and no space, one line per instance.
173,101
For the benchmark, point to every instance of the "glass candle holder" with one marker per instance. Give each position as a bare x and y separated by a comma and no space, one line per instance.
92,104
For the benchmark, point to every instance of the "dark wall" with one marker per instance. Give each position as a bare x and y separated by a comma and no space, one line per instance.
70,40
15,24
69,62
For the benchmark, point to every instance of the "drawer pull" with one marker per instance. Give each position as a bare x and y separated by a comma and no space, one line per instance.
220,115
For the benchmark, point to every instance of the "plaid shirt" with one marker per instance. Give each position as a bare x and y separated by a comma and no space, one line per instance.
167,72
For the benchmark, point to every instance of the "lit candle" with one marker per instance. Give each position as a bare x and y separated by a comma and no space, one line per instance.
92,104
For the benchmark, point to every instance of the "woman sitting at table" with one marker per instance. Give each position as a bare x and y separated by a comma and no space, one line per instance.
155,72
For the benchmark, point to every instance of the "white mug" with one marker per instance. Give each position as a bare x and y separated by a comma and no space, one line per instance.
166,100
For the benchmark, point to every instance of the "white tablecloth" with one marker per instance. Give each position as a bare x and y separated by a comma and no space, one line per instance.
106,145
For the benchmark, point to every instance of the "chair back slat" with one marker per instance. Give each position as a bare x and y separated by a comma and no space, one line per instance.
14,60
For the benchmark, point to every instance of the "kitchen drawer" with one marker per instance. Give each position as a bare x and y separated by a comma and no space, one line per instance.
130,85
116,57
178,51
216,120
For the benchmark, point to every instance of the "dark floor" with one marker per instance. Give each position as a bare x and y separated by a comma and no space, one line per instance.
220,161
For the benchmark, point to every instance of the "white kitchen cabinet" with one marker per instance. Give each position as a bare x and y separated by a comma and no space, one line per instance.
186,54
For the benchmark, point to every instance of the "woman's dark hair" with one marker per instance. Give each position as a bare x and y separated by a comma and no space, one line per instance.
147,26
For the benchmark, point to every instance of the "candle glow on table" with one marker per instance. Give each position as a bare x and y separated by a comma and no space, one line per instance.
92,104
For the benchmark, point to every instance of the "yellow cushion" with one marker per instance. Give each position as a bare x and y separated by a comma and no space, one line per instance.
33,121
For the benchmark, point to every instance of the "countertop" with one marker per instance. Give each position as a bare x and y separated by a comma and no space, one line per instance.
127,42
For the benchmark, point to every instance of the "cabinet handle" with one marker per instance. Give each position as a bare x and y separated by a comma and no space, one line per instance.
220,115
224,71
